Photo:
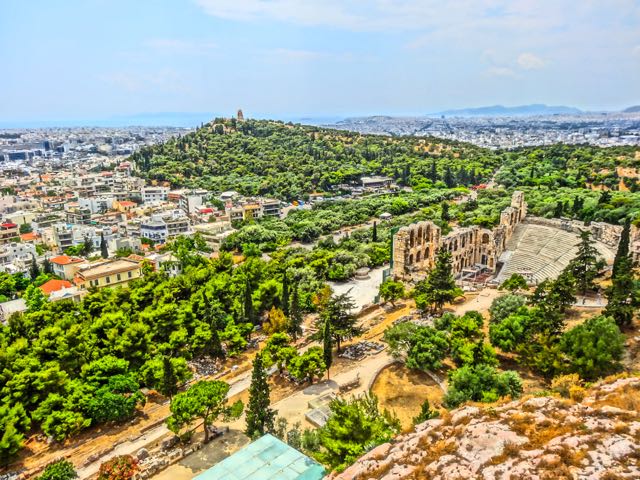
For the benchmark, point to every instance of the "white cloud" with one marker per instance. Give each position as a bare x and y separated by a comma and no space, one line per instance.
460,15
529,61
184,47
501,72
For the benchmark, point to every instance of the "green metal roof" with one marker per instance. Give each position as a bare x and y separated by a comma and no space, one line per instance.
268,458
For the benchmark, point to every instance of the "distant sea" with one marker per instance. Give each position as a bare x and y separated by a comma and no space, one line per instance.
167,119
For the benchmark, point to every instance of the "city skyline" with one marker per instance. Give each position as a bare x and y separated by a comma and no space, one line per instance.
102,59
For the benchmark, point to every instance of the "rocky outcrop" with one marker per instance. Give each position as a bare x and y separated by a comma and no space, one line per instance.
534,438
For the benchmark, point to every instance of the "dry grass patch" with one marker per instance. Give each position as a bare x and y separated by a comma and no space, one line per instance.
539,437
403,391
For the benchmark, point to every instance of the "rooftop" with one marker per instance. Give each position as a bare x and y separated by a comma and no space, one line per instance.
65,260
265,459
108,268
54,285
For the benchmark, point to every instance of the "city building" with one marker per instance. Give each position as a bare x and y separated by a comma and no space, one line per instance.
152,194
112,273
213,233
65,266
9,232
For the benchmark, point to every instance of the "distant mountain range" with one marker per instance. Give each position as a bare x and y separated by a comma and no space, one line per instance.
502,111
194,119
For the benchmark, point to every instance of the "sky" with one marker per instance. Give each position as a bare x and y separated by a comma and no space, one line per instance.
90,59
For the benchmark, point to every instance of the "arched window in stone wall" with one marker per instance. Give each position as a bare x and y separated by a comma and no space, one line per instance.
411,259
418,256
419,239
411,238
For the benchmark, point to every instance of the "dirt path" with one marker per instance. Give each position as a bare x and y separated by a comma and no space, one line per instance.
292,405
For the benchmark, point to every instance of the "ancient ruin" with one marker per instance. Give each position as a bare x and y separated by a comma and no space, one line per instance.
473,249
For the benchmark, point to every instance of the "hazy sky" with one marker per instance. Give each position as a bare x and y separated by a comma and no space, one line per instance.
91,59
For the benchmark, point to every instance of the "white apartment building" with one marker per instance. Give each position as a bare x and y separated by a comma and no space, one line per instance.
160,228
152,194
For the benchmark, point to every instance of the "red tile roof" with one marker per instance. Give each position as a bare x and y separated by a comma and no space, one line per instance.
65,260
28,237
54,285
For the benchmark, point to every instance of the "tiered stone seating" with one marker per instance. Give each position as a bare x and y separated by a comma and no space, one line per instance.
541,250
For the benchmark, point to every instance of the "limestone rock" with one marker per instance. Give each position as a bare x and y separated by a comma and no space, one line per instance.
539,438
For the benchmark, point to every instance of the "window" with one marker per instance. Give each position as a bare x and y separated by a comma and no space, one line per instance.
108,279
119,277
130,274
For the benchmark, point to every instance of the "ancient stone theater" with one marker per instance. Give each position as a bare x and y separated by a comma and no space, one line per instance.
472,248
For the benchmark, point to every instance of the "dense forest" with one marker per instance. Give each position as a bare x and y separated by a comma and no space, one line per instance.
290,161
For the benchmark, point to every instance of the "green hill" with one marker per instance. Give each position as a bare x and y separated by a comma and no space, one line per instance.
260,157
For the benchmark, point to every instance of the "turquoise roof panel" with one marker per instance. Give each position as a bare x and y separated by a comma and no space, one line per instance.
267,458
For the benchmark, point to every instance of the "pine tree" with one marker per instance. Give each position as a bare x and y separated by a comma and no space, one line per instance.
169,385
87,246
285,301
104,251
338,311
295,317
260,418
587,263
439,287
374,233
327,345
34,270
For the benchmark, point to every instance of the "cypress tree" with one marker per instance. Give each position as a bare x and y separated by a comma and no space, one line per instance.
34,270
249,313
622,303
433,173
444,212
260,418
104,251
327,345
47,267
285,302
374,233
169,385
295,319
214,348
557,213
605,197
448,178
623,247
